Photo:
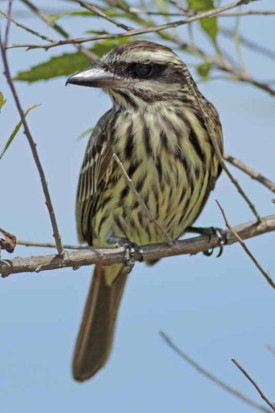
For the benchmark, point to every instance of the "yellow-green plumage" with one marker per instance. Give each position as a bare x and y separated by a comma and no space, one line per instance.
157,130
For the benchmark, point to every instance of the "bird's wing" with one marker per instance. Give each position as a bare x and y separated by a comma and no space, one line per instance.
97,158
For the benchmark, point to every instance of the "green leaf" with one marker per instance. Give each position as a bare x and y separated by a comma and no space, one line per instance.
204,69
112,12
66,64
209,25
85,133
96,32
161,5
14,132
2,100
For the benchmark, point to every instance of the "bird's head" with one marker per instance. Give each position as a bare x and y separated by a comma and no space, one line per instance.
137,72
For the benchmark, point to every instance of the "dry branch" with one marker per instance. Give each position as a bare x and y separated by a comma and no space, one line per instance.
251,172
46,18
249,253
3,45
271,405
211,376
108,256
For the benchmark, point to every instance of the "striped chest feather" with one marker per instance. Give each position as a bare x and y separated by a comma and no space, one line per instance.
167,154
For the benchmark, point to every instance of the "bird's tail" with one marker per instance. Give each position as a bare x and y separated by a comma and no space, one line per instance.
95,336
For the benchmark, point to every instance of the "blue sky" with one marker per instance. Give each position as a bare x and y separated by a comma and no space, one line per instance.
214,309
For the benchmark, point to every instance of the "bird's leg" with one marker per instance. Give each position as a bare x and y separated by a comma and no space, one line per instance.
210,232
131,248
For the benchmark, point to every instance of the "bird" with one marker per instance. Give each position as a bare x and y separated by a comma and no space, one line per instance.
158,132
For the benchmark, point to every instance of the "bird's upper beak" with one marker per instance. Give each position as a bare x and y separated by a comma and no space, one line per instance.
96,76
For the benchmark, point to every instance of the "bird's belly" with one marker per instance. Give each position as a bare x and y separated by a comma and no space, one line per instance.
170,196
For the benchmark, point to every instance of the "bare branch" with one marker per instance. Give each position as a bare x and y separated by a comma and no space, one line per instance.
146,210
211,376
32,145
238,74
255,47
249,171
151,29
265,274
101,13
28,29
250,13
191,12
46,18
108,256
50,245
271,405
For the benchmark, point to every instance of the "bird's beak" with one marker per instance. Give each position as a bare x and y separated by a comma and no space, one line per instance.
95,76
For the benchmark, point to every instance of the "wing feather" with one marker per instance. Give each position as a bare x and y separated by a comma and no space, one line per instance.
97,158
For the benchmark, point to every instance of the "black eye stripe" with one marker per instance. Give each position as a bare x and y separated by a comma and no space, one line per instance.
145,70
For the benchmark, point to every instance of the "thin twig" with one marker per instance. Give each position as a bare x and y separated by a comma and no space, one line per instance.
28,29
271,405
146,210
210,129
211,376
251,172
239,75
255,47
47,19
240,240
49,245
109,256
32,144
150,29
249,13
101,13
190,12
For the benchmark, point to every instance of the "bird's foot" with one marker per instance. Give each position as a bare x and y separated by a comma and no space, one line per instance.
131,249
211,232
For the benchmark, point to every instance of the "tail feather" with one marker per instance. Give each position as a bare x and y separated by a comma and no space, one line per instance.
96,332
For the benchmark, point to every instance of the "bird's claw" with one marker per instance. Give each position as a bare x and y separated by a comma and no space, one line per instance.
222,237
131,249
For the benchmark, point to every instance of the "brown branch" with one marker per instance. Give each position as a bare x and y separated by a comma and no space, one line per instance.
99,12
47,19
239,239
211,376
190,12
251,172
146,210
108,256
255,47
238,74
150,29
271,405
249,13
210,129
49,245
31,143
28,29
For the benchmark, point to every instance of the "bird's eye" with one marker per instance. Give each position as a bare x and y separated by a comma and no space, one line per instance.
144,70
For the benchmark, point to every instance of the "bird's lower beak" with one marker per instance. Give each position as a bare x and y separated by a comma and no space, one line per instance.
95,76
